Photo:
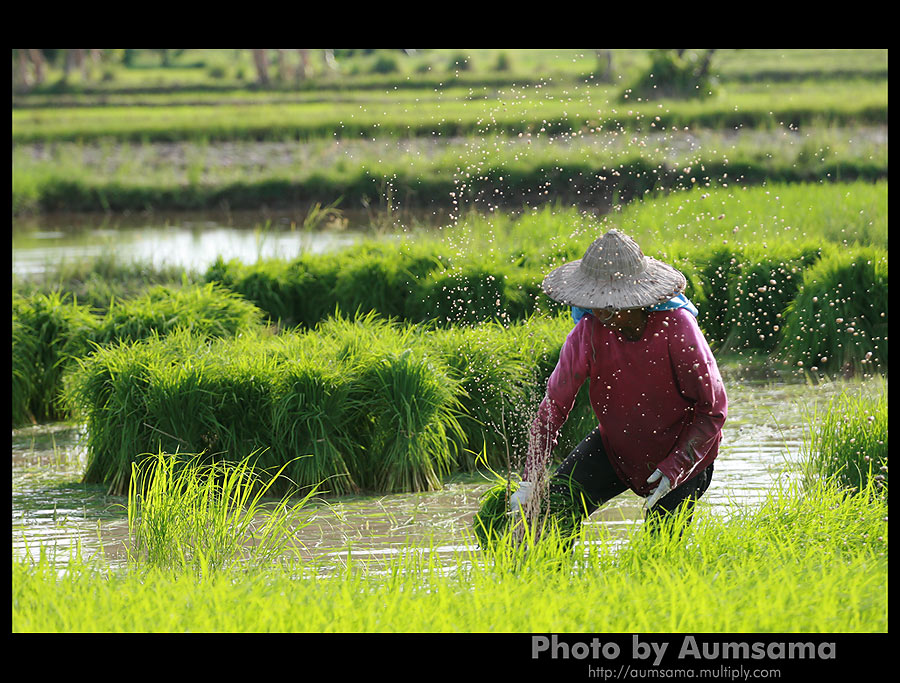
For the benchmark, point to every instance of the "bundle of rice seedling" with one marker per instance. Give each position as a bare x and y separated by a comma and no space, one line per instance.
381,278
759,289
492,520
494,379
558,517
24,377
50,331
411,406
313,414
209,309
838,320
475,291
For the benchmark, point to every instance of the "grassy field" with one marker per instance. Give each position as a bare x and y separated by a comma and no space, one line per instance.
812,561
533,111
419,137
487,171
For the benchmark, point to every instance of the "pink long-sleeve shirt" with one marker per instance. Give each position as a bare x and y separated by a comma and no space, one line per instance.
659,400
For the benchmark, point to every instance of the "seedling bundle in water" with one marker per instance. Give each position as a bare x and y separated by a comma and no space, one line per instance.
188,513
495,524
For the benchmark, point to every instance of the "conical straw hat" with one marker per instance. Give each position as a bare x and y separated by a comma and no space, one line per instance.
614,273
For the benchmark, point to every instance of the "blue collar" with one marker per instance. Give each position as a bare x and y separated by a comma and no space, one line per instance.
677,301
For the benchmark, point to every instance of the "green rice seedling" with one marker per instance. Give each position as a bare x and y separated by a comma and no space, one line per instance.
838,320
847,442
494,377
475,291
379,278
373,416
49,332
208,309
312,412
772,233
776,213
556,523
106,392
289,292
492,520
806,560
762,283
189,516
412,406
360,336
24,376
61,331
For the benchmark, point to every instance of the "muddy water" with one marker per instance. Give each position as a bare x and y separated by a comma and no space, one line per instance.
51,508
188,241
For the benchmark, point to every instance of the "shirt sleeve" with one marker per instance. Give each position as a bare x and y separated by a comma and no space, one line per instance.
562,388
699,381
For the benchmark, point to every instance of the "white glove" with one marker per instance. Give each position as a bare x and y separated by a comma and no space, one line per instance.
518,499
662,489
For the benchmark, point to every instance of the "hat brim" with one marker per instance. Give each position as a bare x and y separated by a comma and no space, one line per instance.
570,285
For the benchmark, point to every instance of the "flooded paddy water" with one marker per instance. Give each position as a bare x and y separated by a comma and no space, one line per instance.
50,506
191,241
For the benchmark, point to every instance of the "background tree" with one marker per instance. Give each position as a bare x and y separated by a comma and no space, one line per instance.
604,70
261,60
675,74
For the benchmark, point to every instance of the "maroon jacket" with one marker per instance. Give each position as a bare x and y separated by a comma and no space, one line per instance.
660,400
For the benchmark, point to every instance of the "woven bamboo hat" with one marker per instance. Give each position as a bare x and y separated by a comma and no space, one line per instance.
614,273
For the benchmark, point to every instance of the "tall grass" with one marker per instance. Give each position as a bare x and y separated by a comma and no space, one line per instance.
806,561
373,420
52,332
847,442
839,317
187,515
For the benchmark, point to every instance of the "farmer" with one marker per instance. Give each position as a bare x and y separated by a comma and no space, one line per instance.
655,389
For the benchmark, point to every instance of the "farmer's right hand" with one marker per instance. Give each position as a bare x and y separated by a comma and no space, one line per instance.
518,499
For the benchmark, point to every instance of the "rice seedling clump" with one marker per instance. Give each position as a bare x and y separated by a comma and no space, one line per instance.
188,515
372,420
838,320
847,442
49,331
52,332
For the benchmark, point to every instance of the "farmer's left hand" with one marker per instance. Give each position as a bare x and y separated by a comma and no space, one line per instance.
662,488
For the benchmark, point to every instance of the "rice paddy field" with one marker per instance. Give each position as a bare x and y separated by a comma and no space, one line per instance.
277,341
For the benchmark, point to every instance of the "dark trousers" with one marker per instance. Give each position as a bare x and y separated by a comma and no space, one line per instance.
586,480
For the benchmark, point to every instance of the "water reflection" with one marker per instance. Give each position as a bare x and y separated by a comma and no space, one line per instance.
189,246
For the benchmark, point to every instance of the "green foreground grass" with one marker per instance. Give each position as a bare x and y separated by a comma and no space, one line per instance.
811,561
